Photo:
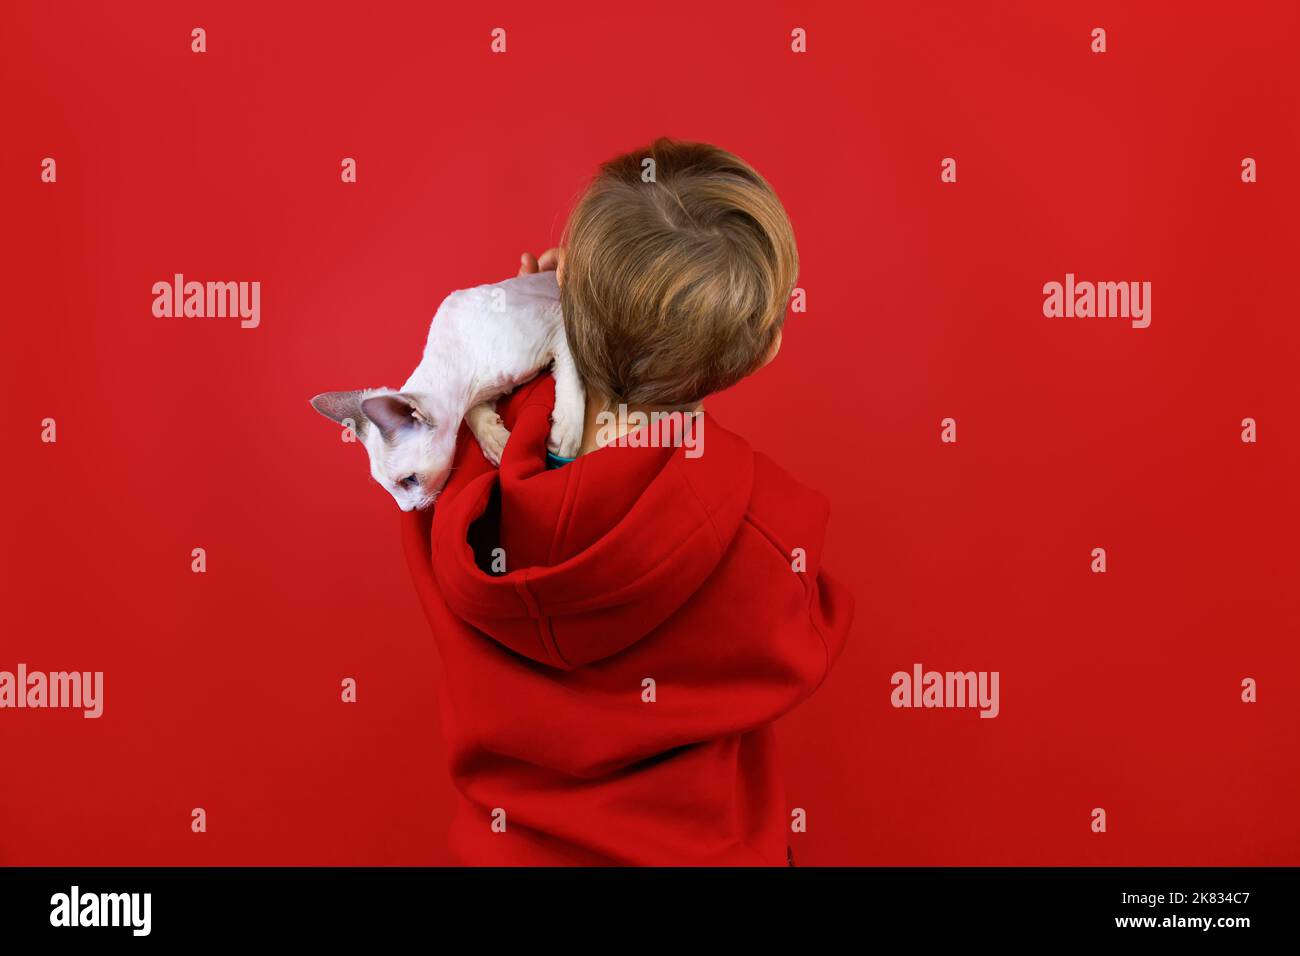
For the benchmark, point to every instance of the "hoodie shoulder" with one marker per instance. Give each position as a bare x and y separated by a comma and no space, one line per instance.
539,391
787,512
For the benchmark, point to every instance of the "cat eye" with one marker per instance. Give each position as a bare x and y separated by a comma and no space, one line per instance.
410,481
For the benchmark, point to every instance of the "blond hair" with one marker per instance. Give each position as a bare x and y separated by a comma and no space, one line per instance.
676,274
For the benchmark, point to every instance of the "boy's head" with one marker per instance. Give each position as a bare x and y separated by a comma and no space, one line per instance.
676,275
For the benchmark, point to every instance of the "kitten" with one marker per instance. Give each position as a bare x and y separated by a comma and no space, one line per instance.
483,343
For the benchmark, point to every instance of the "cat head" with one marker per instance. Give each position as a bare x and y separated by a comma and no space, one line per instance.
410,449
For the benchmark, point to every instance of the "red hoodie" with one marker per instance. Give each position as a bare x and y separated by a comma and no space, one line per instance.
626,567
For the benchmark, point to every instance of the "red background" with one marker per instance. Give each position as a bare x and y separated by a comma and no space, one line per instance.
1119,690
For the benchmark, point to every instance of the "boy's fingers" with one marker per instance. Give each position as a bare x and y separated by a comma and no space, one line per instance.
527,264
550,260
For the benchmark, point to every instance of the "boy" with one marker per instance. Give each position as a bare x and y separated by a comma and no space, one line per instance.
619,632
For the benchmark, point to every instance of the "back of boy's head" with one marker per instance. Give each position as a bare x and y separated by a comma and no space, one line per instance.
676,274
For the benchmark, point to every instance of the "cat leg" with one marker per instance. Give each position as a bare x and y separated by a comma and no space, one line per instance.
567,419
488,428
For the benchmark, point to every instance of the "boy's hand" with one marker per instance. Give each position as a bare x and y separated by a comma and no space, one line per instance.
552,260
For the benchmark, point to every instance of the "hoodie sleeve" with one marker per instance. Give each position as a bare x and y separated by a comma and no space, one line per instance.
794,519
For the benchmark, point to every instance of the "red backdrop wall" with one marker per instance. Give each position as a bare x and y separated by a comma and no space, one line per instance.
1119,690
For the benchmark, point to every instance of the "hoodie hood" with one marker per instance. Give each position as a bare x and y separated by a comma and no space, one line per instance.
597,553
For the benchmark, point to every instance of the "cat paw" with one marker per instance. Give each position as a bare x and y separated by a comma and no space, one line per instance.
490,432
493,442
566,433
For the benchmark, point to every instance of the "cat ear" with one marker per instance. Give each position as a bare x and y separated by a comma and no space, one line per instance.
341,407
391,413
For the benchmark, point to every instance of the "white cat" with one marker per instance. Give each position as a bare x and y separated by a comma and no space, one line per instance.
483,343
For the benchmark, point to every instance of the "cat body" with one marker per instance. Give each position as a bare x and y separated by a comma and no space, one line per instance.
482,343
